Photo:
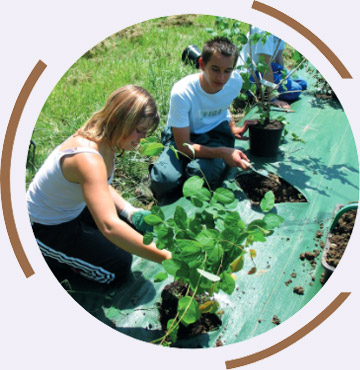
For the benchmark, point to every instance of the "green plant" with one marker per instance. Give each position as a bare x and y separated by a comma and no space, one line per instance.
208,243
253,74
321,85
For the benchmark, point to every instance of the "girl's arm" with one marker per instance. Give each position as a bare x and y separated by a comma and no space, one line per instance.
90,172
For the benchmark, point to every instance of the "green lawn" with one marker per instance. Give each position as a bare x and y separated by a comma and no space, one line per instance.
146,54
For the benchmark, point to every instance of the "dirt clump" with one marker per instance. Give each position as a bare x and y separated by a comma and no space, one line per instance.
299,290
339,237
276,320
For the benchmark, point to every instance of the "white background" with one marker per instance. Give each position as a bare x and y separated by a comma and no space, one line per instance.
41,326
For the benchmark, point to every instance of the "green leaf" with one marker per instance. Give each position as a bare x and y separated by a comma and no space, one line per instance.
175,151
208,275
148,238
257,229
227,283
172,329
191,149
196,202
163,231
272,220
182,243
151,149
190,250
268,202
204,194
161,276
233,222
180,217
297,57
227,239
215,255
224,196
192,186
152,220
172,266
208,237
156,210
208,219
195,224
237,264
260,223
249,240
189,310
262,67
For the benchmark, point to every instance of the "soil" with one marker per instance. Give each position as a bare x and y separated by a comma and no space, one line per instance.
339,237
299,290
272,125
168,309
276,320
255,186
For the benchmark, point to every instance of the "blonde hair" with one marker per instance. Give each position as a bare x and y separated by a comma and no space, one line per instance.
122,112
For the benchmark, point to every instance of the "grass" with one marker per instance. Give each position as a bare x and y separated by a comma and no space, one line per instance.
146,54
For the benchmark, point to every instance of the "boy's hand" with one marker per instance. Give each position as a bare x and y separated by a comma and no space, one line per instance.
238,132
234,158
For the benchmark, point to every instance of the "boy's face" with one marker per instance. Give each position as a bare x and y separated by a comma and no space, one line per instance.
216,72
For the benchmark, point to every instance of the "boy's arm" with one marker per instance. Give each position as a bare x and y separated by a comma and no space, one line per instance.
232,157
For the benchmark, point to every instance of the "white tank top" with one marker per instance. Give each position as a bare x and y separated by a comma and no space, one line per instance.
51,198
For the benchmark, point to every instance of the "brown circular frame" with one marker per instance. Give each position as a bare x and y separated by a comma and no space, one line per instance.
6,186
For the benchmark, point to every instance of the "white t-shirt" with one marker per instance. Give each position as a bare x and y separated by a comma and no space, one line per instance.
191,106
272,43
51,198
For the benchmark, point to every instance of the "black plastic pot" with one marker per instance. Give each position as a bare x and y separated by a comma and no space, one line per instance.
191,55
264,142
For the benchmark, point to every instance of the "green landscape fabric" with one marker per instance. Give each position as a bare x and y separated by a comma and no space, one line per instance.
325,170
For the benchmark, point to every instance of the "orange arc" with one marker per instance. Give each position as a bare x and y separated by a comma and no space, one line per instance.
321,317
6,166
325,50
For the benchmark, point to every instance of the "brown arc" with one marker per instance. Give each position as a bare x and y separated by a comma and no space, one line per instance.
306,329
6,167
5,189
325,50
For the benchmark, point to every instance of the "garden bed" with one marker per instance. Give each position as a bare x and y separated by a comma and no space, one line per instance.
255,186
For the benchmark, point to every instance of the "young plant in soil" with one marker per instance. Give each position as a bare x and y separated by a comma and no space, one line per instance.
253,74
208,243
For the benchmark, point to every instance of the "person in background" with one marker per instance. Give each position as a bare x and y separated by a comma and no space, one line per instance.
199,117
74,210
271,51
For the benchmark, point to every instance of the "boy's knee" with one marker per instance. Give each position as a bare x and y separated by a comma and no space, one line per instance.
164,179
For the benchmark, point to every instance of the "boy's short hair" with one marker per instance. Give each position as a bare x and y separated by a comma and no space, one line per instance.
219,44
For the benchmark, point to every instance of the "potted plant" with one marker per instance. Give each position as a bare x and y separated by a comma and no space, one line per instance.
265,136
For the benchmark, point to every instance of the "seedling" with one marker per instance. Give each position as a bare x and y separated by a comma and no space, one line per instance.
208,243
254,83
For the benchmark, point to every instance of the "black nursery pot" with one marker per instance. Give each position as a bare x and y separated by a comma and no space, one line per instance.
264,142
191,55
